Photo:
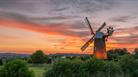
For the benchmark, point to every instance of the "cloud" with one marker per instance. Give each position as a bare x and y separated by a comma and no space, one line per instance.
83,5
122,18
15,16
126,35
33,20
64,18
18,5
4,37
53,29
77,29
53,19
50,18
43,23
45,12
58,7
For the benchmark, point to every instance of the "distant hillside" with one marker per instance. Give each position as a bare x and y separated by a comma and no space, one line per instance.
13,55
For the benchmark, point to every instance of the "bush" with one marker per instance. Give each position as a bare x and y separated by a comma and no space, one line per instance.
1,62
129,64
91,67
76,68
136,53
65,68
112,69
16,68
135,73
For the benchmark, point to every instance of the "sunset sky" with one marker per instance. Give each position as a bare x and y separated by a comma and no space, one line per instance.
58,26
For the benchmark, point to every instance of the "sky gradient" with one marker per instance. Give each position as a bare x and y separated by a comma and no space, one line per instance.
57,26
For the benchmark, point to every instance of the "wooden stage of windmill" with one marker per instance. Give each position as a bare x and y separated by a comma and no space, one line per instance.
99,38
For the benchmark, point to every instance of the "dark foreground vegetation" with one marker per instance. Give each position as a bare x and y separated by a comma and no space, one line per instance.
126,66
120,63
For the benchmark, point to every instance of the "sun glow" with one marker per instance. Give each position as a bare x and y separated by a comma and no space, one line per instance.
100,55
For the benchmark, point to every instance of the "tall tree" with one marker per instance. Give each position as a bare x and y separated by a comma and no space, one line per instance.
39,57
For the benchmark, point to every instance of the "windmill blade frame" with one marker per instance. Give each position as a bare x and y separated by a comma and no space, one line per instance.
87,43
100,28
88,23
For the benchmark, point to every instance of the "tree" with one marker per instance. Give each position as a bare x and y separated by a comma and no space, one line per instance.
116,53
1,62
136,53
46,59
16,68
39,57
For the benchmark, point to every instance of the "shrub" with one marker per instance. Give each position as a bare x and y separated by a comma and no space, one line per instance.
112,69
1,62
128,64
91,67
16,68
76,68
135,73
136,53
65,68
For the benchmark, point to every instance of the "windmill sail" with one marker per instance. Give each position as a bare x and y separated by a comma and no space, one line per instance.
101,27
87,44
87,21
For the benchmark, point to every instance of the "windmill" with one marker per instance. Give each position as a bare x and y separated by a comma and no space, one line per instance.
99,38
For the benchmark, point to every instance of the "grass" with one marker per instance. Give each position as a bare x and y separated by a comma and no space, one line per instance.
0,66
39,69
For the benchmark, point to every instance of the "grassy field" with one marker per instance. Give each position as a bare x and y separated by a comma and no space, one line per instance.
38,69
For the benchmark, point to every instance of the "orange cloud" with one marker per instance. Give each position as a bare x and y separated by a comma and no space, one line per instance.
55,34
33,27
56,40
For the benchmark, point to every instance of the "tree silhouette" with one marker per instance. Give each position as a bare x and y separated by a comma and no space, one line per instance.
116,53
39,57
